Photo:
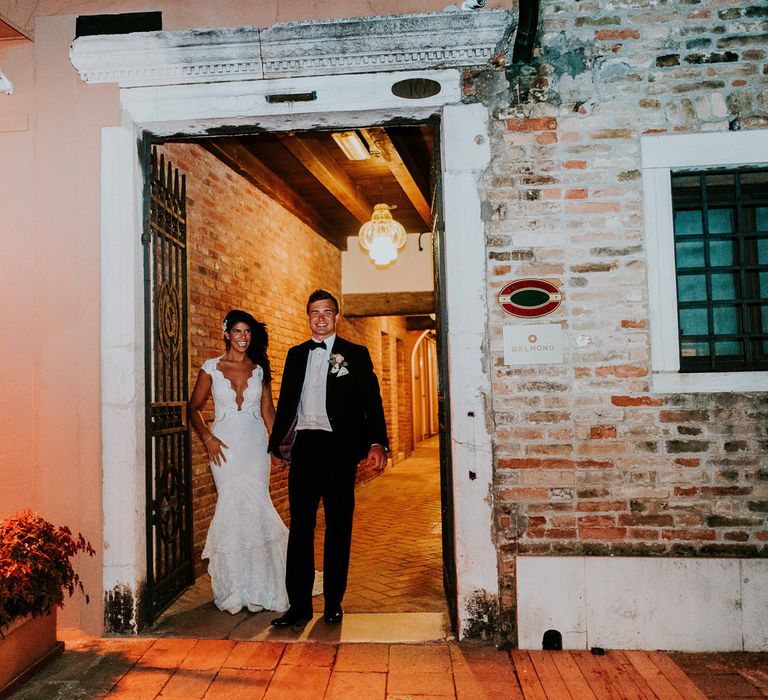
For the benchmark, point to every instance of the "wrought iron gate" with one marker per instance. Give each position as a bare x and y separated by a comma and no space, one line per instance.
169,494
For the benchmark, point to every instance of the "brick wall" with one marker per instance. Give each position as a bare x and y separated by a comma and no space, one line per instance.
247,252
588,460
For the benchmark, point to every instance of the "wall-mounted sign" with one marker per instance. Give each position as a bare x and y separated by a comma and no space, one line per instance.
416,88
537,344
530,298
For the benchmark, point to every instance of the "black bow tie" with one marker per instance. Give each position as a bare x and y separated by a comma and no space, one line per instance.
314,345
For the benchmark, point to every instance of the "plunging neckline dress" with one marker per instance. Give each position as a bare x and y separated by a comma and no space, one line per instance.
247,540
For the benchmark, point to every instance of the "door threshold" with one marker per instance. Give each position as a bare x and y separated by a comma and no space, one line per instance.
384,628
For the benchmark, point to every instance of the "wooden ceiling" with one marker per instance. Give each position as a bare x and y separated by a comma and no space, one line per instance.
7,32
308,174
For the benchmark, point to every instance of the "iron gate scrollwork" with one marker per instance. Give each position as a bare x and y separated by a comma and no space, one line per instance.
170,568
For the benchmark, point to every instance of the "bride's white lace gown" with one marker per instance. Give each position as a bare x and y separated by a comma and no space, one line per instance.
247,540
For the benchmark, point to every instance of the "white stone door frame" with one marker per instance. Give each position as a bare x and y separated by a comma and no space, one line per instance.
164,92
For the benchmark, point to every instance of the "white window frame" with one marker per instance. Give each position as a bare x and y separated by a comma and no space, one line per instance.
663,154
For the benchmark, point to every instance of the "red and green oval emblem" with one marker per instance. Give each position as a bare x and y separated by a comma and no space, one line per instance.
530,298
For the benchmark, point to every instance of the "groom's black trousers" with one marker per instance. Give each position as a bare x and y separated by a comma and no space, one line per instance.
321,468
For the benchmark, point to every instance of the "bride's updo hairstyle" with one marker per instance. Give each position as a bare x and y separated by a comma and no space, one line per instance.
257,350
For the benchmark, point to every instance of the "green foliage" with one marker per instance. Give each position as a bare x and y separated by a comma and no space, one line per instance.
35,566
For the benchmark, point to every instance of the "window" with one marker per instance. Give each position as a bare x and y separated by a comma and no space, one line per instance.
720,221
706,218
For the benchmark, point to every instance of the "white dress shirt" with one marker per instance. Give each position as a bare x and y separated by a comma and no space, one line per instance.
312,411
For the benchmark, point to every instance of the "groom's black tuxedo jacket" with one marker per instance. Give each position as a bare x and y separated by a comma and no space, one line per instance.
352,401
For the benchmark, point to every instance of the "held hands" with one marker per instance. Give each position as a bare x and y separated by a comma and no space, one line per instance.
378,456
214,448
277,462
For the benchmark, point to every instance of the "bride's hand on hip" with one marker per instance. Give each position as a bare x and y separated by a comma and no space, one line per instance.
214,448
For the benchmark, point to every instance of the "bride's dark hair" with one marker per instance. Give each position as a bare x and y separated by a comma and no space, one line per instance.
257,350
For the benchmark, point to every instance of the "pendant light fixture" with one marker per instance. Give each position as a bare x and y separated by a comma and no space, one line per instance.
382,236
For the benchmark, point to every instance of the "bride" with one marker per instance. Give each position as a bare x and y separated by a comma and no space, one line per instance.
247,540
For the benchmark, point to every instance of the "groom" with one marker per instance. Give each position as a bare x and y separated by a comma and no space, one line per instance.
330,397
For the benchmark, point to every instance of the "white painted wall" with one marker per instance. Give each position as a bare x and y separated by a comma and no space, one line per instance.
410,272
644,603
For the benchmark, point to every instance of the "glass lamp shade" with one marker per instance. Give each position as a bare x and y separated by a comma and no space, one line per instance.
382,236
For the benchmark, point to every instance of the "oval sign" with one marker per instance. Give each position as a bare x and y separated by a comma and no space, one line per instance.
530,298
416,88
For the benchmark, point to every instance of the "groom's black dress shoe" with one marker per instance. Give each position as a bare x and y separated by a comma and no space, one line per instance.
292,620
333,617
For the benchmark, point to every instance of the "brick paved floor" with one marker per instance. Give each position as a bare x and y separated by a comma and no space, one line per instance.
396,563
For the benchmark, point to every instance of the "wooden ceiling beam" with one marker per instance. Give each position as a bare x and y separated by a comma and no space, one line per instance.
245,163
316,158
389,304
379,140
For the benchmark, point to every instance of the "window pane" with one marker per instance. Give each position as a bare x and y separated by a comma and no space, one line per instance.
761,219
762,251
688,349
694,321
720,220
764,285
724,286
721,187
692,288
754,185
690,254
726,319
721,252
729,347
688,222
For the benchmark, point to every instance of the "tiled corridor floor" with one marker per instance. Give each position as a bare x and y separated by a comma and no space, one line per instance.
396,568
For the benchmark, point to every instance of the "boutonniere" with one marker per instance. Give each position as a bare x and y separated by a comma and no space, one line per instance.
338,365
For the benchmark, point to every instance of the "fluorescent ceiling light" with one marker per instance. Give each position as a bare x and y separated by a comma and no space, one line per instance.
350,143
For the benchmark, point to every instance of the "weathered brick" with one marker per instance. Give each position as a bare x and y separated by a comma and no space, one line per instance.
688,534
692,462
602,432
534,124
636,401
675,446
535,463
668,60
616,34
602,533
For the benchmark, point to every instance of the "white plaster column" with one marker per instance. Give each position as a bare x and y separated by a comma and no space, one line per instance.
122,368
466,155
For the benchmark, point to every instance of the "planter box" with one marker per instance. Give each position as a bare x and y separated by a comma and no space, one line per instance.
28,644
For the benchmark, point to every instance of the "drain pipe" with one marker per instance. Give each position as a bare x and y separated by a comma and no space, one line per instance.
527,24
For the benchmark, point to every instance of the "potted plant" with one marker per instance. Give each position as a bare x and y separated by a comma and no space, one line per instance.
35,572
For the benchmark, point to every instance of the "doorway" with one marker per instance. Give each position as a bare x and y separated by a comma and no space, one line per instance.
267,216
201,92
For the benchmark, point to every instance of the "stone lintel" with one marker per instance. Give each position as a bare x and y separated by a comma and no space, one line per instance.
295,49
